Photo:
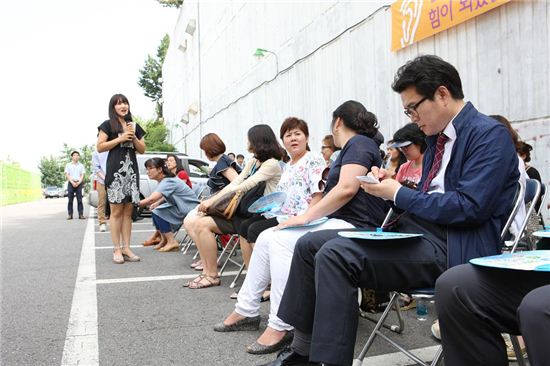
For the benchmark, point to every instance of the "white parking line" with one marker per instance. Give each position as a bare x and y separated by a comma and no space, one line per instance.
133,231
399,359
81,341
158,278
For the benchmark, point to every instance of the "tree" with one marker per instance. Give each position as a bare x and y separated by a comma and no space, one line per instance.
171,3
150,79
155,137
51,171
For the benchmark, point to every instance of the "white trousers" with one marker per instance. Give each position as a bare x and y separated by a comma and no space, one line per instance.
270,262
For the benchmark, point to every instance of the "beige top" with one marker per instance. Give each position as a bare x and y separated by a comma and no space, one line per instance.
269,171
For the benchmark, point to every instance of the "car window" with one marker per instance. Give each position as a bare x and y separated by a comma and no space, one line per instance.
198,168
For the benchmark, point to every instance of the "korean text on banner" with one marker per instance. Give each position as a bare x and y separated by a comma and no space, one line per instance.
413,20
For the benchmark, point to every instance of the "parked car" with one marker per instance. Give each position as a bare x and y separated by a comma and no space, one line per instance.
53,192
196,168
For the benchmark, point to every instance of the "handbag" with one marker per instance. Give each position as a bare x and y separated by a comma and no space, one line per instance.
226,206
249,198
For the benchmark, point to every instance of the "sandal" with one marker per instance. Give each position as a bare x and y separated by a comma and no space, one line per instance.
210,282
130,258
196,279
197,263
117,259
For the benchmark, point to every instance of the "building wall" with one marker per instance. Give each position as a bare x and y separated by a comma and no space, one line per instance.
332,51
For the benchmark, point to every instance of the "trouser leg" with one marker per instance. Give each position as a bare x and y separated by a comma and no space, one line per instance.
475,305
101,200
342,265
534,318
80,206
70,196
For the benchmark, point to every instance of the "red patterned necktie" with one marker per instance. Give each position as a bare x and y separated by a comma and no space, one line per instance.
439,150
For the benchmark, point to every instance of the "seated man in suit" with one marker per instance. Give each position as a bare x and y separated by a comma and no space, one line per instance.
468,184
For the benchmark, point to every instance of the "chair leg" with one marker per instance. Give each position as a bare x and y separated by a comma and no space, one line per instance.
394,328
517,350
234,242
234,283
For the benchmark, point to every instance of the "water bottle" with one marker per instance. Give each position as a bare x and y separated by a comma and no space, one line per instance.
421,308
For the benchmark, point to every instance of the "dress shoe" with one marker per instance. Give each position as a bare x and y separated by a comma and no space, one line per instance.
287,357
148,243
70,217
262,349
81,217
243,324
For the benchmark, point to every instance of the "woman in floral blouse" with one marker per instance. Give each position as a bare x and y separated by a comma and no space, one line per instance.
300,181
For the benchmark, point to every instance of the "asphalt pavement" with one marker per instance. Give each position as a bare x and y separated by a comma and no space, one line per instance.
65,303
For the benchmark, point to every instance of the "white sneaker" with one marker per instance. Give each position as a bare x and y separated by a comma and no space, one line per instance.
436,332
102,227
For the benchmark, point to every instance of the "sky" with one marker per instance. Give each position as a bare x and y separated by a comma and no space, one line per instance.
60,63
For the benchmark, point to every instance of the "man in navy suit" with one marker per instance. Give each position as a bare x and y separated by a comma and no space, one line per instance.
460,205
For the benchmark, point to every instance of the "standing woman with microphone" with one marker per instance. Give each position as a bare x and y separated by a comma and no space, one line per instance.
122,138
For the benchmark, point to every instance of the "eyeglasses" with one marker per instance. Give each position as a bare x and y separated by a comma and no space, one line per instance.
410,111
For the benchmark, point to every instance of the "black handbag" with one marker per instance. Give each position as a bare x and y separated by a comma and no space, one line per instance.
249,198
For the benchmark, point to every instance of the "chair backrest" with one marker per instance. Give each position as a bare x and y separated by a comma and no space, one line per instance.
532,194
520,194
542,197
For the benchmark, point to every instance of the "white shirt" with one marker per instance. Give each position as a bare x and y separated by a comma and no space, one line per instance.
75,171
99,165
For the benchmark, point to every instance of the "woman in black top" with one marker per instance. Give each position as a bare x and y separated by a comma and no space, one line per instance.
225,169
122,138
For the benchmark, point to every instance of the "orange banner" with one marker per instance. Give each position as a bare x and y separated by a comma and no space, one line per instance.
413,20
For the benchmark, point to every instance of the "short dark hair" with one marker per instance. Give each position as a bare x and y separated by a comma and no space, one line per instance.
231,154
263,143
113,116
159,163
290,124
411,132
75,152
356,118
427,73
240,156
525,150
212,145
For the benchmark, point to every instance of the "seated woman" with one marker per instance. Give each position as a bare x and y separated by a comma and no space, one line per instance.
411,141
264,167
174,165
179,200
300,180
222,174
346,207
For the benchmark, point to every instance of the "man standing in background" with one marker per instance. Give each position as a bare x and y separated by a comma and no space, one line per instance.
74,172
99,167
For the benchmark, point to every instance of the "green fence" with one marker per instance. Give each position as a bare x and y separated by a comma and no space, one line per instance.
18,185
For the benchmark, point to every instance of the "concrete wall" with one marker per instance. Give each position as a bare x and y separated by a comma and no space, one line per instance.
332,51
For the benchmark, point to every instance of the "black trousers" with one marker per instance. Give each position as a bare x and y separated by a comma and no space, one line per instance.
321,292
72,191
251,228
476,304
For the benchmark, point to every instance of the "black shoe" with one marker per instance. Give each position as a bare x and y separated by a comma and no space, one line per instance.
70,217
262,349
243,324
287,357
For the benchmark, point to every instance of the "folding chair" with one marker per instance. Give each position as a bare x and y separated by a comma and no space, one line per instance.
533,190
427,293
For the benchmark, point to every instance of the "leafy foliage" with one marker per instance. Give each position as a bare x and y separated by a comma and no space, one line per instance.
155,139
150,79
171,3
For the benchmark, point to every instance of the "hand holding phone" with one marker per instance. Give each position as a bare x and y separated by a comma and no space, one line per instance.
368,179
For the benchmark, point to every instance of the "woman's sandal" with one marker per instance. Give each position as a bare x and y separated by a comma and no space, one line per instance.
166,248
196,279
159,246
117,259
132,258
210,282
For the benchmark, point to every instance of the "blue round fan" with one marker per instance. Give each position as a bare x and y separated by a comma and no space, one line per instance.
268,203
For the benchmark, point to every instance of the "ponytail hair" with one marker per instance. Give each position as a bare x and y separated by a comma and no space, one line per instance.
159,163
356,117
